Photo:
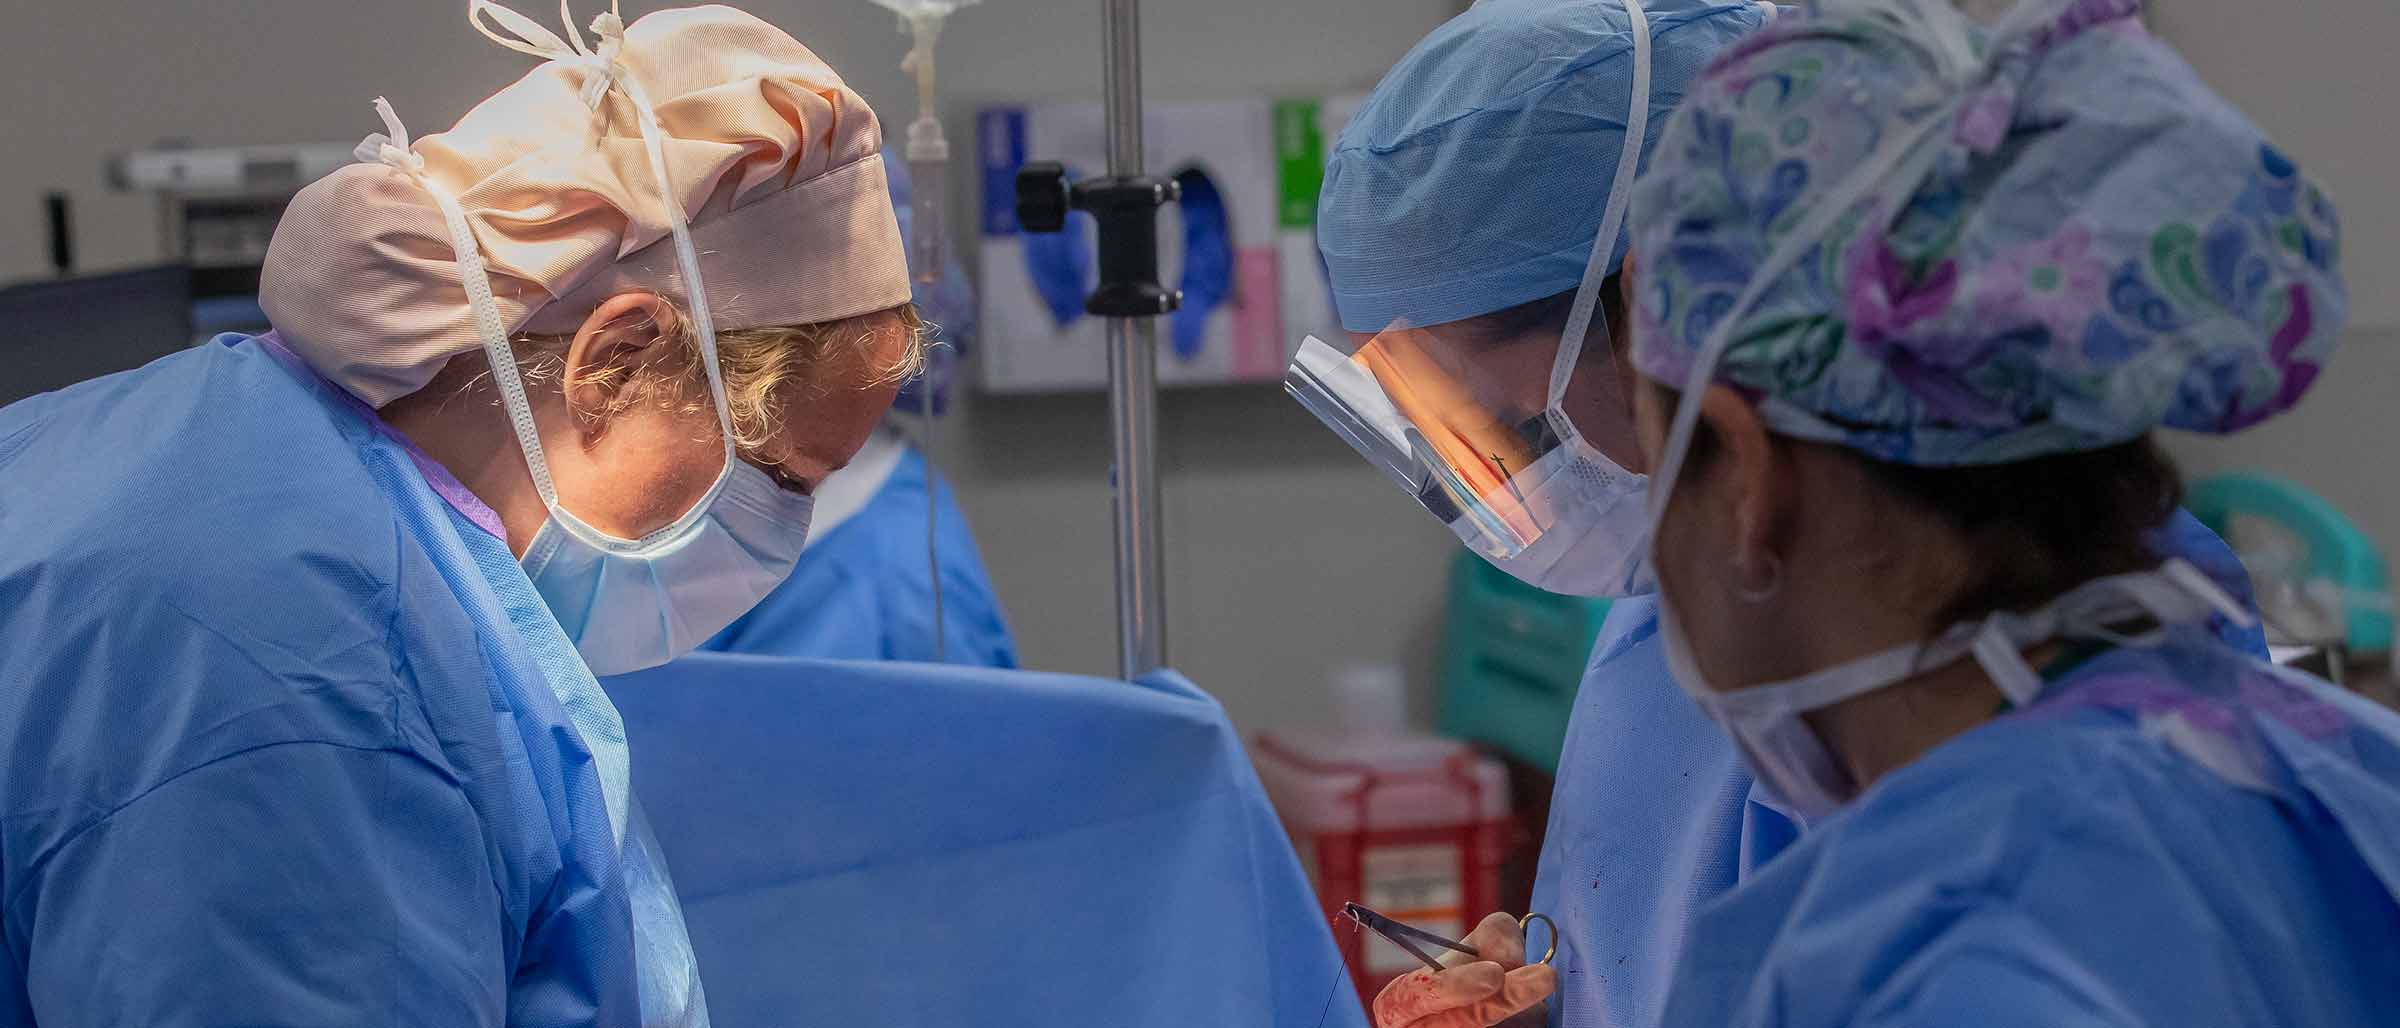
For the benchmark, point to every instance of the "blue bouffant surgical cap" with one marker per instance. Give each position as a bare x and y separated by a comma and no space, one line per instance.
1473,178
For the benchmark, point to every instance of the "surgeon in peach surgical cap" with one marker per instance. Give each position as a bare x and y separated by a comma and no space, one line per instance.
298,631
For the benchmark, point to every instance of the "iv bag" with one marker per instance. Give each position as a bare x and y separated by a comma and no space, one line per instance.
928,150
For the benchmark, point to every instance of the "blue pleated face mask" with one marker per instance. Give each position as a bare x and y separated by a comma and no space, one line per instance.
635,604
631,604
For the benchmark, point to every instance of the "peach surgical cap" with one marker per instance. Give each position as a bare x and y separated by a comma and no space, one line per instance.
774,163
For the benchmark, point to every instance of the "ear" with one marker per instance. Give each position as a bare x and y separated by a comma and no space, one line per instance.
622,335
1756,481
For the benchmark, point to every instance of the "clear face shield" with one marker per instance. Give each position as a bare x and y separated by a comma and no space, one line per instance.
1511,429
1462,416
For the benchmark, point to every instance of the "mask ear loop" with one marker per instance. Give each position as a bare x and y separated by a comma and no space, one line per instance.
601,71
1604,244
2196,582
687,257
392,149
2089,610
2016,680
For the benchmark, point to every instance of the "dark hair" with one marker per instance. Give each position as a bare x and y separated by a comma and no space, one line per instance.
2038,527
1550,314
2033,528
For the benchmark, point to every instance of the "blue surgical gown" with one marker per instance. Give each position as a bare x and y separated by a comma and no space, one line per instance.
1654,814
273,748
862,592
2172,834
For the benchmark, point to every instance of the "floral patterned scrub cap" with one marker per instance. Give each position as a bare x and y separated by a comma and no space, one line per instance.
1942,243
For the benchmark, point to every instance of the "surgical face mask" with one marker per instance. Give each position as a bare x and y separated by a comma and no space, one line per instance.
630,604
1596,545
1433,407
634,604
1765,720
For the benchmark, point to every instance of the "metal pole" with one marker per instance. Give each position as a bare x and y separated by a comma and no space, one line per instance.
1132,380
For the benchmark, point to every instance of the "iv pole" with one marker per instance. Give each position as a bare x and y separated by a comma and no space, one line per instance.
1125,204
1133,380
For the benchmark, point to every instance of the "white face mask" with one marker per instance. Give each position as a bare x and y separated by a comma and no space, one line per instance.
631,604
1765,720
1599,544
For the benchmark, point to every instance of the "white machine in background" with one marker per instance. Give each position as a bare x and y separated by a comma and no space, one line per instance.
236,169
217,207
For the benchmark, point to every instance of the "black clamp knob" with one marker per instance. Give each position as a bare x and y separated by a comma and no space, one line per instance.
1127,211
1043,197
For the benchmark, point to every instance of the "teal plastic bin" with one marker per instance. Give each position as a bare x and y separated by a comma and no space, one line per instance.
1512,656
2335,551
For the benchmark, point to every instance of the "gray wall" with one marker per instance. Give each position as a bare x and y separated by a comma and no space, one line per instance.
1285,555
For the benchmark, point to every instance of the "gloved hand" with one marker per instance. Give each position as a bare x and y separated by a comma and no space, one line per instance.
1498,990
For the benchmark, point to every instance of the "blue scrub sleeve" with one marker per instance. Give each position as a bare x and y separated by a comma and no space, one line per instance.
300,883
